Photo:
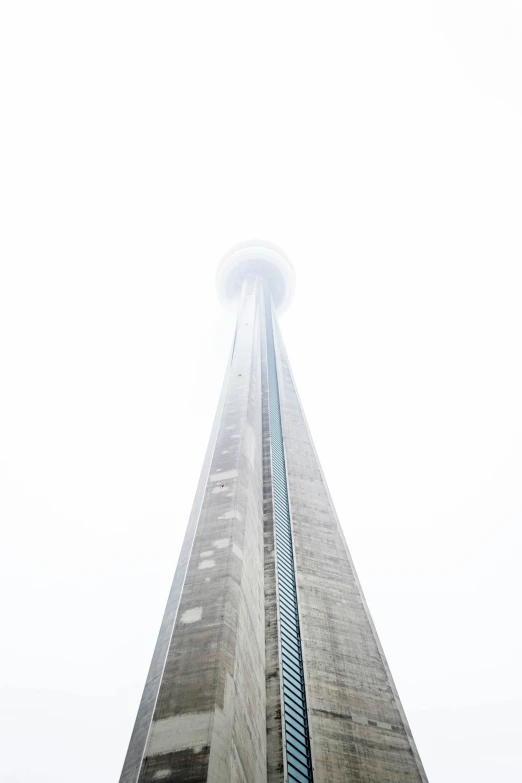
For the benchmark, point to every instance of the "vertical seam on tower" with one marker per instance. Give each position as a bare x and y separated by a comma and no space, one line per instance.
295,724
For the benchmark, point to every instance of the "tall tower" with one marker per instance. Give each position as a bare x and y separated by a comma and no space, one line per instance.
267,667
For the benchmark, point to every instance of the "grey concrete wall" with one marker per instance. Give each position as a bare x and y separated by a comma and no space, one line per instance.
209,716
357,724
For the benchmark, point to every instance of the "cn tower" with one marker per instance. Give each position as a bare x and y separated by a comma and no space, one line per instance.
268,667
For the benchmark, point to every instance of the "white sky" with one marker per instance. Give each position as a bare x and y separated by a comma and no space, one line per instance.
379,144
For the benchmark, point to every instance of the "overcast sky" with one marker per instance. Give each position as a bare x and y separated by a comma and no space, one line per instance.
379,144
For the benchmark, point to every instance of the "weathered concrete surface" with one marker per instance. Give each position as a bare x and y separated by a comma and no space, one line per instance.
358,728
142,725
209,714
211,710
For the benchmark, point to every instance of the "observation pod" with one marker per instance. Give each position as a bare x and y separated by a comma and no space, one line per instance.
261,259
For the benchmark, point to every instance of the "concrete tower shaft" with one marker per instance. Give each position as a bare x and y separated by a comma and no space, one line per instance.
268,667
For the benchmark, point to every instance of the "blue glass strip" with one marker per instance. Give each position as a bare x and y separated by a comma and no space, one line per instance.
295,775
294,695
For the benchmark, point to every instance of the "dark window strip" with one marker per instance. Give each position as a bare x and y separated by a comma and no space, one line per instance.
294,698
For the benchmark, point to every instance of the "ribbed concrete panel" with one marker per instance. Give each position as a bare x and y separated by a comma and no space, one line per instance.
358,728
209,717
140,734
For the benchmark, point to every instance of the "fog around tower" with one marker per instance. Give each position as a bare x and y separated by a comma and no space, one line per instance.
378,144
261,258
